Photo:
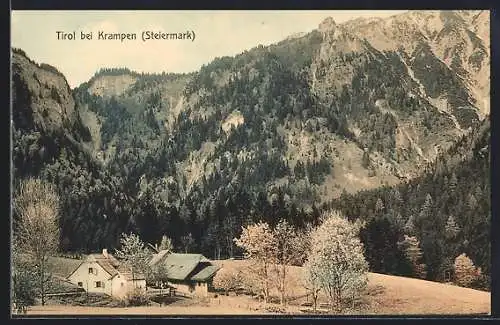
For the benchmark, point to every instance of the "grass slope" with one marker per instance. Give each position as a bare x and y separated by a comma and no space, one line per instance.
386,295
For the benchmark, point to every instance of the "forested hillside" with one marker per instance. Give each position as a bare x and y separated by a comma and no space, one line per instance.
397,136
447,209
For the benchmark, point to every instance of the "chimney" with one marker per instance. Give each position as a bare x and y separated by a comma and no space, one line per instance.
105,252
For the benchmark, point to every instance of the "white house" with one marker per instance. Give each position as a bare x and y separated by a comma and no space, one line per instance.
103,273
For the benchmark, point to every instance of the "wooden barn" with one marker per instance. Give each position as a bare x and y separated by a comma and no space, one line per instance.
191,274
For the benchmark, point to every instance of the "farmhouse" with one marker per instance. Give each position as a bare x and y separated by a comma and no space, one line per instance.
103,273
191,274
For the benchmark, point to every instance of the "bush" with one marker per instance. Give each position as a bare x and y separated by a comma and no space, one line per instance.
136,297
465,271
275,309
24,285
86,299
482,282
228,280
118,303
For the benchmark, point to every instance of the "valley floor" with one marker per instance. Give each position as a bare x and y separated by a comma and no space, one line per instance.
400,295
148,310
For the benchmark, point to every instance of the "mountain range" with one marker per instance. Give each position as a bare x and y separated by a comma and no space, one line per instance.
358,106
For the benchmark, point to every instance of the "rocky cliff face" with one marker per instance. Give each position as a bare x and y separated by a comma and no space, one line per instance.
41,95
45,118
459,39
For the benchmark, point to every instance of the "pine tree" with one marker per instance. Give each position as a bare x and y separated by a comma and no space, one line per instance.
453,183
433,248
379,206
451,228
399,221
397,200
471,202
411,248
409,227
425,215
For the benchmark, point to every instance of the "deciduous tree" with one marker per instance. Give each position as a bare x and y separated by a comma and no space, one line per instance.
312,283
259,244
37,208
134,254
336,259
288,252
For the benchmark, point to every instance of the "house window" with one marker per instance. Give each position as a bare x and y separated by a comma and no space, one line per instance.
91,270
80,284
99,284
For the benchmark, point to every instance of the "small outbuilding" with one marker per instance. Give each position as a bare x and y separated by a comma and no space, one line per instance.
190,274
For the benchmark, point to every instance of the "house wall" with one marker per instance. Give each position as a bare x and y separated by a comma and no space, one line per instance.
88,280
201,289
121,286
182,288
117,287
198,289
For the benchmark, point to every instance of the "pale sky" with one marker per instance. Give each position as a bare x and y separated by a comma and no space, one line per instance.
217,33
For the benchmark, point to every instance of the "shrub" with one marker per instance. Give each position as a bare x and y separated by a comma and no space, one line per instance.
465,271
136,297
228,280
482,282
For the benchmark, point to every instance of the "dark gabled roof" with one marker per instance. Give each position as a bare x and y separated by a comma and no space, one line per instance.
205,273
179,266
185,266
158,257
